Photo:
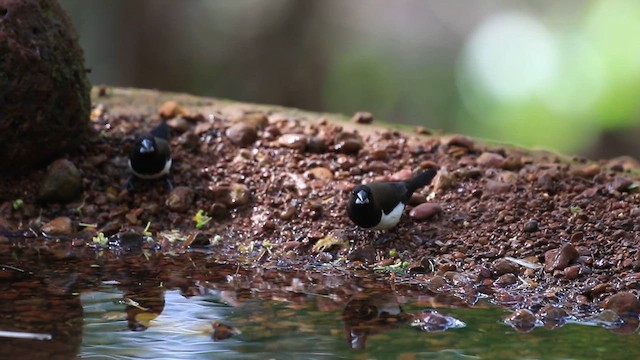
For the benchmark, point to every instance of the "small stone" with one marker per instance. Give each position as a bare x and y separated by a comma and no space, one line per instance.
218,210
635,212
459,140
179,124
180,199
171,109
256,119
242,134
506,280
496,187
425,211
58,226
293,141
558,259
523,320
552,316
530,226
317,145
502,266
621,184
490,160
320,173
62,183
288,214
348,143
362,117
421,130
623,303
572,272
234,195
588,171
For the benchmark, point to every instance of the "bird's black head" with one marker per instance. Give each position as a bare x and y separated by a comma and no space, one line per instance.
362,208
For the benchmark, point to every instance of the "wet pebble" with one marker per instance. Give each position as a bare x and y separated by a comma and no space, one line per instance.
180,199
62,183
500,267
622,303
242,134
233,195
505,280
317,145
433,321
552,316
348,143
59,226
293,141
425,211
522,320
530,226
558,259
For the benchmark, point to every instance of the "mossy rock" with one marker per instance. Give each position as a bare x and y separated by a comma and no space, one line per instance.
44,91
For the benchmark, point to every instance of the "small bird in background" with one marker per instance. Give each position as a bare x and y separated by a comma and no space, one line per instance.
379,205
151,157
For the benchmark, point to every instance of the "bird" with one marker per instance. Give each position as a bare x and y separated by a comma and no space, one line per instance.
379,205
151,156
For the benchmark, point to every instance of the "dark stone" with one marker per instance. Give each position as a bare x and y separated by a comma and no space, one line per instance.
44,91
62,183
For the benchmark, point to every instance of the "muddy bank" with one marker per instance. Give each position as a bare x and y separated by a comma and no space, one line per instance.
528,229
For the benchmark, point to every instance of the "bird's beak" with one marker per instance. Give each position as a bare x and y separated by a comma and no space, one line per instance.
146,146
362,198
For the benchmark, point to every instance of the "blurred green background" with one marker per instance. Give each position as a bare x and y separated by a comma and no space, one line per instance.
562,75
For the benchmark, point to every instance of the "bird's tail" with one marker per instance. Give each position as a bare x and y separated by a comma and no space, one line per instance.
420,180
161,131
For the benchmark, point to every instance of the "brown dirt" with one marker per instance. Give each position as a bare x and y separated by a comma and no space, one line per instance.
574,221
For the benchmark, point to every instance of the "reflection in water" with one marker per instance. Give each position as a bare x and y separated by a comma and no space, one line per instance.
143,305
368,313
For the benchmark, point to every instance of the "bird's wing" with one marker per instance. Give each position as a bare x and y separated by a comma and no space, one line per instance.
387,195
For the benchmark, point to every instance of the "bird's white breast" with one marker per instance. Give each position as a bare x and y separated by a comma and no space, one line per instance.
391,219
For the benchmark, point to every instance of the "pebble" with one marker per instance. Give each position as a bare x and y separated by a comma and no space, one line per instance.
505,280
320,173
256,119
171,109
293,141
622,303
348,143
242,134
59,226
496,187
62,183
233,195
404,174
490,160
558,259
522,320
552,316
458,140
500,267
530,226
425,211
362,117
621,184
317,145
180,199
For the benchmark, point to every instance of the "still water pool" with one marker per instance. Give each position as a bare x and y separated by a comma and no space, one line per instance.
309,330
168,307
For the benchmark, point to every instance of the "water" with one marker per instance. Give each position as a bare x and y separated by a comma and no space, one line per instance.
100,306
